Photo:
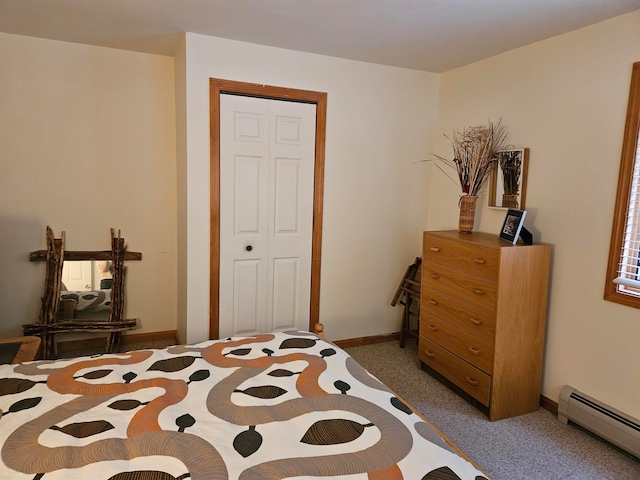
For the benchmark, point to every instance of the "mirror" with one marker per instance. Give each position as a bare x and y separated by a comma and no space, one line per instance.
508,181
52,321
85,290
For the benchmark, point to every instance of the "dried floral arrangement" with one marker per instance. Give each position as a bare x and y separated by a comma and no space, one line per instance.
475,153
510,162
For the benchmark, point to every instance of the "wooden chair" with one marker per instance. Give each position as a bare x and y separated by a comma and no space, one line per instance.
409,290
19,349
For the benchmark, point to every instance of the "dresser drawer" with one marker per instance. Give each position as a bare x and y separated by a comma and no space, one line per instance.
475,351
468,378
468,288
459,255
473,319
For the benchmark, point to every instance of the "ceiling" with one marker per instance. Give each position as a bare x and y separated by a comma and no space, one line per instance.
429,35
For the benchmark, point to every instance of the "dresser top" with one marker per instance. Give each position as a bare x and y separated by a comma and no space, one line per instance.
490,240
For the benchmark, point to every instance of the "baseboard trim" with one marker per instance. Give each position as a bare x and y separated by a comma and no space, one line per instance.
358,342
549,405
98,342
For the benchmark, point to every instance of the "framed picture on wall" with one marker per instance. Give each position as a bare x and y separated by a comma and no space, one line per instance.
512,225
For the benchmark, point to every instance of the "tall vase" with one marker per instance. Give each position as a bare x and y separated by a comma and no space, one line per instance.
467,213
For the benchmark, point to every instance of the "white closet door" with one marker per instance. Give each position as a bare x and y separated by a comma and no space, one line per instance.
77,275
267,154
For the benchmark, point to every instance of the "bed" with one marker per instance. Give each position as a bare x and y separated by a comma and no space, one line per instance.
272,406
87,304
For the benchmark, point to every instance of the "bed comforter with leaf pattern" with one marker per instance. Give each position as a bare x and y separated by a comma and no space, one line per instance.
273,406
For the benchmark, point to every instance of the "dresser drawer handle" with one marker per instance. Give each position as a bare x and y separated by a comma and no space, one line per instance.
481,261
434,249
476,321
475,351
472,381
429,353
433,302
434,275
477,291
433,328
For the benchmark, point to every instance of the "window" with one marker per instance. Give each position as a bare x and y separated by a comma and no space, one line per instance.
623,272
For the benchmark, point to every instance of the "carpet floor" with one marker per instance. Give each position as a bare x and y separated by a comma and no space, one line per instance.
535,446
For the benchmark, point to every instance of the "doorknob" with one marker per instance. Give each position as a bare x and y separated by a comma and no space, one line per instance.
248,248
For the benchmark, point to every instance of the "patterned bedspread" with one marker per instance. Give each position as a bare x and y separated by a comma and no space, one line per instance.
89,299
267,407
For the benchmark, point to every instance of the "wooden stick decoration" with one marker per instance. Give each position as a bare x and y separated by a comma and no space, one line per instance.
48,325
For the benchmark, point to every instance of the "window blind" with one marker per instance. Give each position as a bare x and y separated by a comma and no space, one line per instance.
629,266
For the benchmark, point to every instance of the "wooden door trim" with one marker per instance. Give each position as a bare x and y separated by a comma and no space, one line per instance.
216,87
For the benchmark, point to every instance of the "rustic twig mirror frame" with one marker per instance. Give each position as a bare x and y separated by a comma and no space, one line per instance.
48,324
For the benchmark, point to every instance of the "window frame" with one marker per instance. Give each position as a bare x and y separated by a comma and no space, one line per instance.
625,180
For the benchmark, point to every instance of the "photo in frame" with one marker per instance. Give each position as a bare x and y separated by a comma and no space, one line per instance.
512,225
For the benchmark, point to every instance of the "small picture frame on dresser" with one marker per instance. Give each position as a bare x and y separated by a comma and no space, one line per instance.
512,225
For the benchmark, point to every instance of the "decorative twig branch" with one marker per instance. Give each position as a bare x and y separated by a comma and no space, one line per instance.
474,155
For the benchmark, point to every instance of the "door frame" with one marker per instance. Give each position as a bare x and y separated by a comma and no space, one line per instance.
216,88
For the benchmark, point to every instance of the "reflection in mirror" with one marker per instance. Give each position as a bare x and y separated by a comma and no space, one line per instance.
508,182
85,291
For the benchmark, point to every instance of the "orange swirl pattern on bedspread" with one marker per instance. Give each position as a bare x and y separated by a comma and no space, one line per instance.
97,384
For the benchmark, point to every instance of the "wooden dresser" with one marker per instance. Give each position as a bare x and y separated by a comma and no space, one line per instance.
483,309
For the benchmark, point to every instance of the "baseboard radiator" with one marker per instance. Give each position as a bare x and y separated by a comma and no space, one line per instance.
612,425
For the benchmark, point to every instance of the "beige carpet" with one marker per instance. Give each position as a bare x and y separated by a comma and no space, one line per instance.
529,447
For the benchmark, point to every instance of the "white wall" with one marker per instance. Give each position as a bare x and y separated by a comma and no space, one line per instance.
87,143
379,121
565,99
181,164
